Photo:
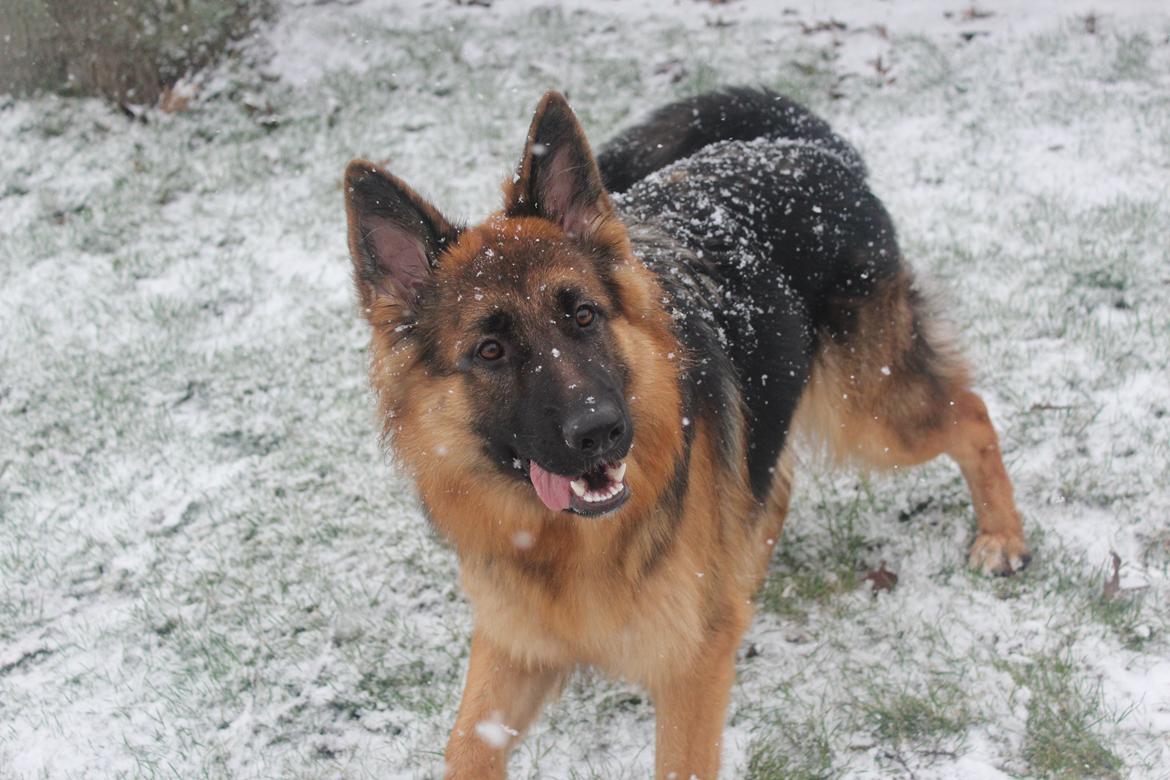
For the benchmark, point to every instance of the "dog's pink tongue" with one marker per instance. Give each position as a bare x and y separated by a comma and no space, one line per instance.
553,489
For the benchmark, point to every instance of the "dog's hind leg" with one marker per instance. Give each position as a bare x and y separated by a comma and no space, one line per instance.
887,391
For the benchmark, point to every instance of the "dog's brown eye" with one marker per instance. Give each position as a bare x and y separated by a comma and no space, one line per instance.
491,350
584,316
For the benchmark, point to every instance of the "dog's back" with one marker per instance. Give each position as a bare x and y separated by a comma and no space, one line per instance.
775,207
679,130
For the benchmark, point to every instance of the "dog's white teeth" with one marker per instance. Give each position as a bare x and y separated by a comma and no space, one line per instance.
605,494
616,473
578,486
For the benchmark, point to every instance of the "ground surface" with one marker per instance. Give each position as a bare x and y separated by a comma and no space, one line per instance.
208,568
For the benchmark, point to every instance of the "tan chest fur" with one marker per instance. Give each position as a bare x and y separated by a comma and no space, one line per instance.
595,603
634,631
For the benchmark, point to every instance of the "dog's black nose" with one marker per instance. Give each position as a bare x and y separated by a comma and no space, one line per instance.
594,428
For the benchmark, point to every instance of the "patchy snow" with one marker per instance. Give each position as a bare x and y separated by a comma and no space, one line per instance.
208,568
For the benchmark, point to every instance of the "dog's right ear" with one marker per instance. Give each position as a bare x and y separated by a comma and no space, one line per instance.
395,236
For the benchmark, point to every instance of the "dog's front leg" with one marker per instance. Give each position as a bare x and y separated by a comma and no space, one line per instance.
500,700
690,709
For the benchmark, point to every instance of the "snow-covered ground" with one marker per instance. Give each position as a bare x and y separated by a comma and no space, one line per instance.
209,569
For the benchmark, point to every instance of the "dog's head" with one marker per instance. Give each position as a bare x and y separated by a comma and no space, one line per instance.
520,360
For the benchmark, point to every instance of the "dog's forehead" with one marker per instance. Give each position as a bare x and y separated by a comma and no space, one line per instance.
514,259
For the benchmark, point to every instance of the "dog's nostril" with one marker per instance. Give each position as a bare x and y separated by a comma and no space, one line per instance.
595,428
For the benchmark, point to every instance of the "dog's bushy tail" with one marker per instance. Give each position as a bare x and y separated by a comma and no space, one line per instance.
680,129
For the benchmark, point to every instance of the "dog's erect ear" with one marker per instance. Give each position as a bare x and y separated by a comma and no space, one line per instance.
558,177
395,235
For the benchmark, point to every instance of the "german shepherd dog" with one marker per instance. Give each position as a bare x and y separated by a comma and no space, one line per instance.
596,391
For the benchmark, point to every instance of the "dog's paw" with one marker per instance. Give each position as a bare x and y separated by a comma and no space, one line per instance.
999,554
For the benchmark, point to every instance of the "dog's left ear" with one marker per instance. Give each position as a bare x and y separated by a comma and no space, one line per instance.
558,177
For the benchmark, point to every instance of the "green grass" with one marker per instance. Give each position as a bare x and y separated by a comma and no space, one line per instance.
1065,722
927,716
791,751
808,572
1127,615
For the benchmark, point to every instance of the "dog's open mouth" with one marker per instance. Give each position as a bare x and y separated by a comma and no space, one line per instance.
600,490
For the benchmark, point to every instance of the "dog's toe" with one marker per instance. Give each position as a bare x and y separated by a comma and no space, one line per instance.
999,554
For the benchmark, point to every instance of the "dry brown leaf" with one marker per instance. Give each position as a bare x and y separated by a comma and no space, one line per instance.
176,98
1113,584
881,579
